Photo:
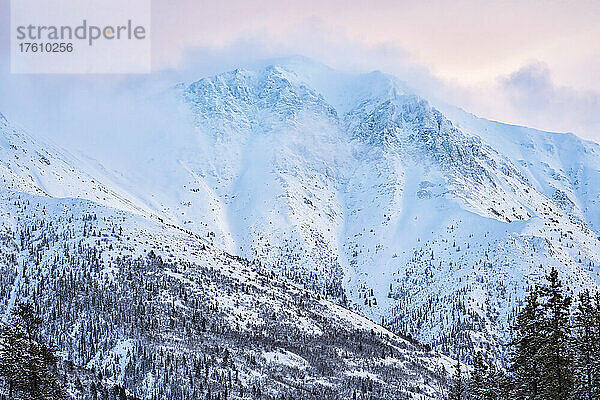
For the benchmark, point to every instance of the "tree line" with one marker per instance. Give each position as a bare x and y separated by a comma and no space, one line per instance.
554,353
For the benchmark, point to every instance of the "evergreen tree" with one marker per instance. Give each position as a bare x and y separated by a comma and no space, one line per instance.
526,350
488,382
556,356
596,339
457,391
497,385
25,364
93,391
587,349
478,389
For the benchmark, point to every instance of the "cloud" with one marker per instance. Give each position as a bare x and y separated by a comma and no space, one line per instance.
4,27
528,96
90,112
530,86
118,120
312,38
535,98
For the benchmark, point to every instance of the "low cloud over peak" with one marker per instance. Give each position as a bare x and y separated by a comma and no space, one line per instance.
536,98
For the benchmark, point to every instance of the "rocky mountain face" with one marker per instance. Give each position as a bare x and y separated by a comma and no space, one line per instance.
305,193
434,223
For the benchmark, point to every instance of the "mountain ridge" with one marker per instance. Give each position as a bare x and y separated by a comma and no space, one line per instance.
466,166
434,222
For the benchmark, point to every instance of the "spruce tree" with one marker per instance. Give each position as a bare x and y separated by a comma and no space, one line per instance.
587,349
478,389
526,350
457,390
26,364
497,384
596,339
556,356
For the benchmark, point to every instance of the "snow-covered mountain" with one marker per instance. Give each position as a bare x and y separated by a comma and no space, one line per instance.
423,218
434,222
132,300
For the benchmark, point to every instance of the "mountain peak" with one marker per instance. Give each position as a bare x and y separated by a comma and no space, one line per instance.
298,63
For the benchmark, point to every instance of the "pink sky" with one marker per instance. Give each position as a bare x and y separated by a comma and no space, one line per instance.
467,41
527,62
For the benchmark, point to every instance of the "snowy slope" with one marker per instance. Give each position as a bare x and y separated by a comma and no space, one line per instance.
426,218
139,302
29,166
154,309
434,225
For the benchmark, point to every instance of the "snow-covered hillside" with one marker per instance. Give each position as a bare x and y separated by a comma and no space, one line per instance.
434,224
427,219
134,301
158,311
32,167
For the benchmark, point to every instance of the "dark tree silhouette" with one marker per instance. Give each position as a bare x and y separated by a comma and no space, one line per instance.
26,364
